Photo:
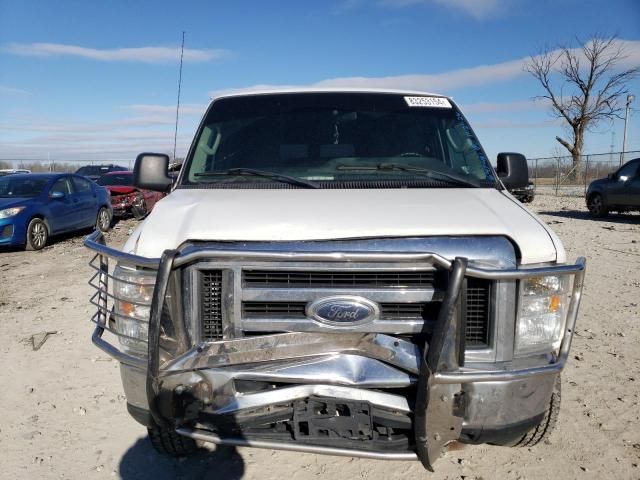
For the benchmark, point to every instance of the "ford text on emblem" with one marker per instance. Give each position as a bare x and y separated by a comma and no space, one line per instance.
343,310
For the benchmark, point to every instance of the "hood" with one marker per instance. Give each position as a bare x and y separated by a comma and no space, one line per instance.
306,214
598,183
119,190
15,202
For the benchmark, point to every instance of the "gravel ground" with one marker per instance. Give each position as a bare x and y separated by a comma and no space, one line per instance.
64,412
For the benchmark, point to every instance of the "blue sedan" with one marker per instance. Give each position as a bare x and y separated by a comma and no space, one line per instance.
35,206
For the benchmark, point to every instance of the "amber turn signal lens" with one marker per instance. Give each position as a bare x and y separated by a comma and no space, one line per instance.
554,303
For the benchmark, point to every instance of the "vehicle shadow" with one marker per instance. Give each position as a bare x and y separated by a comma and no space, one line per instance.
141,461
625,218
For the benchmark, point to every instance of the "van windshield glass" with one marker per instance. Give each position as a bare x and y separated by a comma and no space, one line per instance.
337,137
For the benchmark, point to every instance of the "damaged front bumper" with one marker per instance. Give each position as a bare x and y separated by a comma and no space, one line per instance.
240,383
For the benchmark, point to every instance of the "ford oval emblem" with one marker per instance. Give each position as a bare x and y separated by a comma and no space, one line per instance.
343,311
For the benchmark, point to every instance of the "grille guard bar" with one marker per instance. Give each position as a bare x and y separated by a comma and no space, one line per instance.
440,373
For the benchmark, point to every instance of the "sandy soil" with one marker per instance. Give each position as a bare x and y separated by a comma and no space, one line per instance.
63,412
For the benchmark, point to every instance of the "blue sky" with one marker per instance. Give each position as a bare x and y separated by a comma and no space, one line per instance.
97,80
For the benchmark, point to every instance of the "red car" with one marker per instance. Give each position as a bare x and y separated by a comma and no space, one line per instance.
126,199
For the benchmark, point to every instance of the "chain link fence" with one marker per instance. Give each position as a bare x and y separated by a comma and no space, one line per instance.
560,175
35,164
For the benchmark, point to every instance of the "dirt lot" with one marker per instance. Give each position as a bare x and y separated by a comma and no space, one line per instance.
63,412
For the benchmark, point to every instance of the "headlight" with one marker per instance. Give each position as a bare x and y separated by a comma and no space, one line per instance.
542,311
133,291
10,212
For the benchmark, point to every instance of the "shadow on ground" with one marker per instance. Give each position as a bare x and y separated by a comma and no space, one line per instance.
142,462
624,218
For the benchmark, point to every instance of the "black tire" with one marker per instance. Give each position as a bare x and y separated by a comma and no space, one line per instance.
37,234
168,442
544,429
103,219
597,207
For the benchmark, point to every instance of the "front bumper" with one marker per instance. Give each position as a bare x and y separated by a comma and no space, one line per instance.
452,402
12,231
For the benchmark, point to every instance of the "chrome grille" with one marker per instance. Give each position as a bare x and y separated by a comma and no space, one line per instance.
477,312
272,300
211,304
342,279
388,311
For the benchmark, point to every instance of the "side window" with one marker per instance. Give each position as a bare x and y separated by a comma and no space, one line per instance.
82,185
62,185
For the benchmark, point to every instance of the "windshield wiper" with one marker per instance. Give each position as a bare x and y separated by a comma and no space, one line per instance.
427,172
260,173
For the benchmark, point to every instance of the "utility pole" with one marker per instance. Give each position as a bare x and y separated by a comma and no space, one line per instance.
630,98
612,146
175,135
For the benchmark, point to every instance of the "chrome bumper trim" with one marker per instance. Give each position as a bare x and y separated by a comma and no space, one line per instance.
95,242
250,401
199,253
206,436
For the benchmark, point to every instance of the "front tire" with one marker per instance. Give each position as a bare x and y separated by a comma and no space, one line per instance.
596,206
542,431
168,442
37,234
103,220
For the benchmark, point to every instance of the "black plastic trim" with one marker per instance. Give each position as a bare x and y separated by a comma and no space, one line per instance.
503,436
140,415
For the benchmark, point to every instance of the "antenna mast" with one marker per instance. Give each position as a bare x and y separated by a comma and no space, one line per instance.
175,135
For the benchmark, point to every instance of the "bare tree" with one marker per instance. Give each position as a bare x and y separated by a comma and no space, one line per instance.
589,86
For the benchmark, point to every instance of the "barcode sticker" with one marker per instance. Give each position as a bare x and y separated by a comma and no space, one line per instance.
433,102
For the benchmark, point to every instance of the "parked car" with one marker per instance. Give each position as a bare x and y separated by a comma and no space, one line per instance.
525,194
35,206
94,172
338,272
13,171
618,192
126,199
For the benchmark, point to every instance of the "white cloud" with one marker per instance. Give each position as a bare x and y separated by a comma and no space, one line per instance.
436,82
478,9
444,82
185,109
139,54
6,90
120,146
141,121
501,123
504,107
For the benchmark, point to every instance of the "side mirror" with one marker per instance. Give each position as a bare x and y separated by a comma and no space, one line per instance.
151,172
56,195
611,176
513,170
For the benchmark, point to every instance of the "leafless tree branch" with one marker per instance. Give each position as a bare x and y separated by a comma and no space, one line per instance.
596,87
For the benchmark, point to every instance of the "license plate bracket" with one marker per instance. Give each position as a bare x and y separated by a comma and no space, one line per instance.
318,418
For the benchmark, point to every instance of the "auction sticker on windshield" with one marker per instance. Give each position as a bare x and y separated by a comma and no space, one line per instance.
435,102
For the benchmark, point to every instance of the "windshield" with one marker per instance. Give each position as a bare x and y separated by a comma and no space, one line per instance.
94,170
18,186
337,138
125,179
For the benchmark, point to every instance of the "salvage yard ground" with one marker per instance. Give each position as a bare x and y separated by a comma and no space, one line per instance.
64,415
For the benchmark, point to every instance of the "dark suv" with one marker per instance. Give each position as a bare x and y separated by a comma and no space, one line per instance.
94,172
619,192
